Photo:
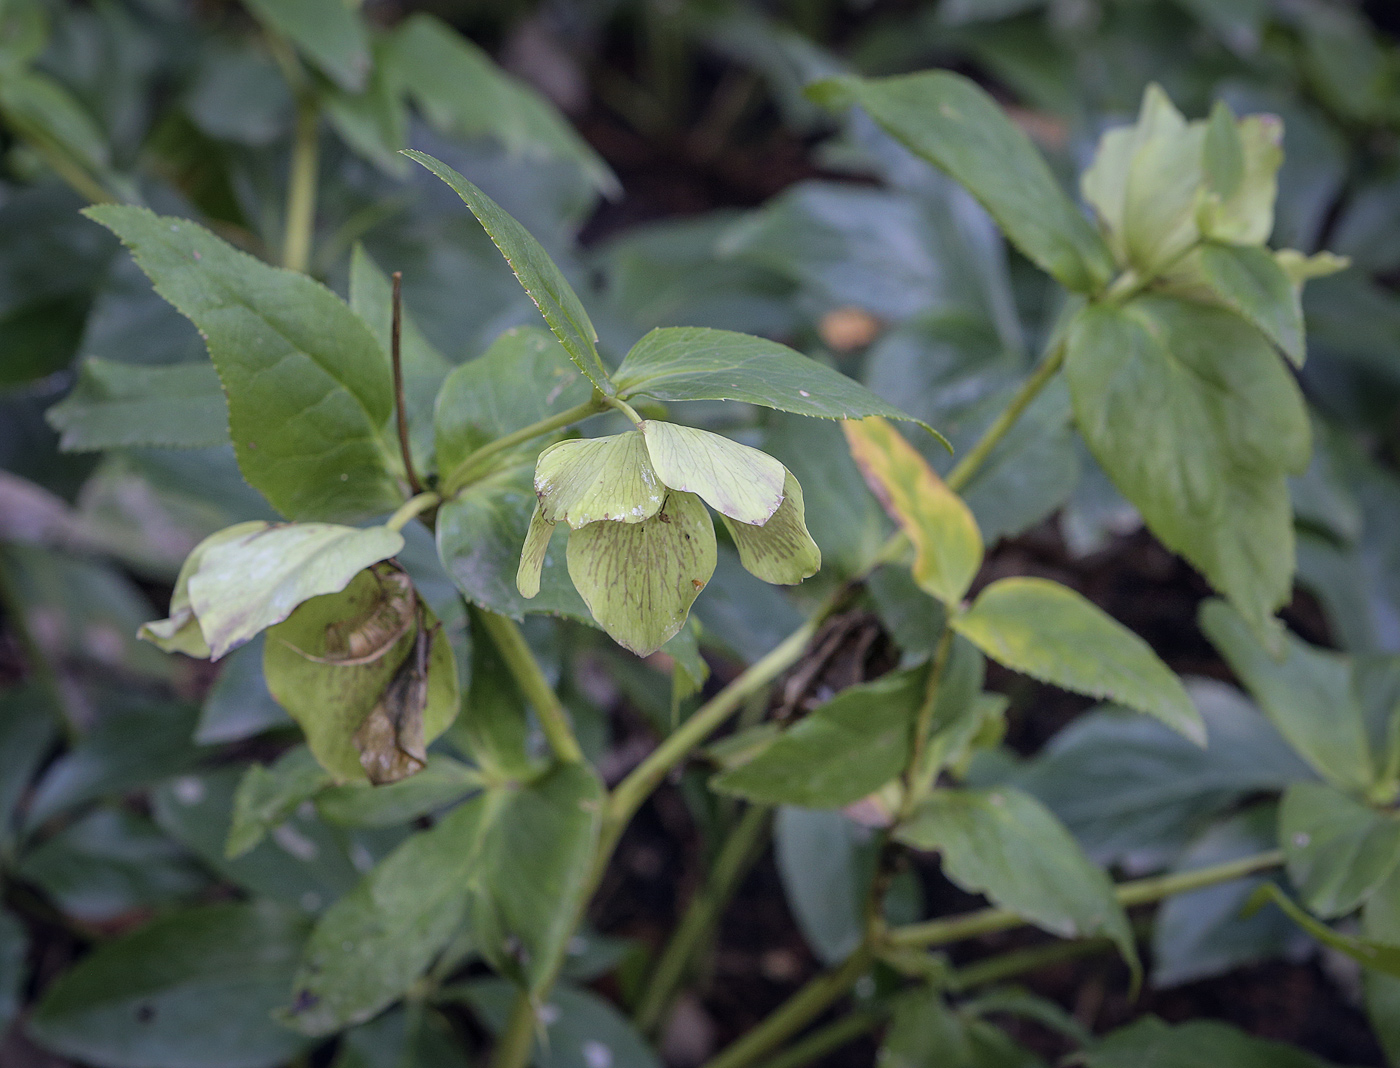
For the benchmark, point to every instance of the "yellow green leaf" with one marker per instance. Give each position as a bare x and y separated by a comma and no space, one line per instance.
947,543
590,479
640,579
740,482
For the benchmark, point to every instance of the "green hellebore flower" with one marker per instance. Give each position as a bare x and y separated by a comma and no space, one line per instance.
1162,185
642,545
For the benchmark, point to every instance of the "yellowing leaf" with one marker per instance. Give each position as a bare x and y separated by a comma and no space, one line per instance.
740,482
640,579
947,543
588,480
245,584
781,550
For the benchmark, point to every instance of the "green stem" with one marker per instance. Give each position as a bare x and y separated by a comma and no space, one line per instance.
735,858
463,472
825,1039
626,409
1005,965
964,469
515,651
917,779
414,506
645,778
72,172
796,1012
301,187
513,1045
1139,892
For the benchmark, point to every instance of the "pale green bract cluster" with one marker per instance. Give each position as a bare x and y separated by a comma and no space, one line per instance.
1165,188
642,546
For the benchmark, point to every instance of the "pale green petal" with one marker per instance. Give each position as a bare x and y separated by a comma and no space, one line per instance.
180,633
1105,184
781,550
248,583
738,481
1166,172
1247,217
527,579
1301,268
590,479
639,580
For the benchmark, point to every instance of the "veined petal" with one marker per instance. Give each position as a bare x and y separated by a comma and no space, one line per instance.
640,579
590,479
781,550
527,578
738,481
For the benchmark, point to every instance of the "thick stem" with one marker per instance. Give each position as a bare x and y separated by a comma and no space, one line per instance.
735,858
796,1012
301,187
1139,892
400,408
964,469
463,472
515,651
825,1039
513,1045
645,778
414,506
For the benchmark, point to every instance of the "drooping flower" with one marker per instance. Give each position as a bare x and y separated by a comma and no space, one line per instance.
641,544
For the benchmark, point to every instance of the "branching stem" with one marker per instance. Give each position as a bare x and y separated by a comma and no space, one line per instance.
400,408
462,474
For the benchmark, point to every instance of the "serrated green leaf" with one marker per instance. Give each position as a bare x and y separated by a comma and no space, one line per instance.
360,804
640,579
781,550
947,543
330,33
692,363
1251,283
1051,633
537,273
309,391
372,944
1007,845
193,989
250,581
735,480
1339,850
463,93
842,751
949,121
115,405
1196,420
1307,693
591,480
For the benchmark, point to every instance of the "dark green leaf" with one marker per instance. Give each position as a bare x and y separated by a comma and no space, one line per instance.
825,862
1307,693
118,404
1381,922
110,864
839,753
925,1031
462,92
309,390
360,804
691,363
239,704
955,125
1197,422
1005,844
1339,850
543,281
28,728
1049,632
194,989
268,794
1198,1044
14,949
331,34
374,122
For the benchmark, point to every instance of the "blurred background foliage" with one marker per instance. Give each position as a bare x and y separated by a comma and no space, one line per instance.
664,154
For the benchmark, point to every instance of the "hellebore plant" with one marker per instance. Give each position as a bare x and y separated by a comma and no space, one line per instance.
1169,344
